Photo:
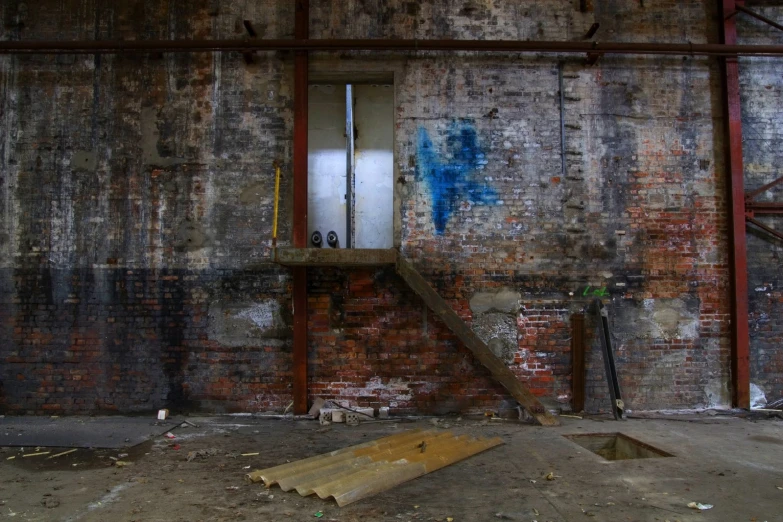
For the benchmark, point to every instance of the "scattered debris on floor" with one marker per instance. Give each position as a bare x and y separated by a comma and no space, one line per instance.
203,454
63,453
357,472
777,404
49,501
36,454
331,411
315,409
700,506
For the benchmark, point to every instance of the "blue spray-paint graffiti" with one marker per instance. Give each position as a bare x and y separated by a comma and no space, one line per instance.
450,182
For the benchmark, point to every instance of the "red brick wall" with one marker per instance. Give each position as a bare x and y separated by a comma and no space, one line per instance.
374,343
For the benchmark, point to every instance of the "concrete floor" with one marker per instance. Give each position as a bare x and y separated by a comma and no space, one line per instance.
732,463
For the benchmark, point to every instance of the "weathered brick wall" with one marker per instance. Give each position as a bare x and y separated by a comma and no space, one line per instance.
137,211
374,343
137,201
78,341
639,212
762,126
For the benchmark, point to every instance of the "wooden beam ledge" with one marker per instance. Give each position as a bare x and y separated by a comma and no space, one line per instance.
334,256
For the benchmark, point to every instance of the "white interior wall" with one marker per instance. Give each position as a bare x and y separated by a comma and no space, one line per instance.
374,166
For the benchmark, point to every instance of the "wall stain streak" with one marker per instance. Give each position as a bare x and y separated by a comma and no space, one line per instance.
451,182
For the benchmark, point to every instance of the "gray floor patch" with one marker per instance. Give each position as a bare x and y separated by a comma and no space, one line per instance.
81,432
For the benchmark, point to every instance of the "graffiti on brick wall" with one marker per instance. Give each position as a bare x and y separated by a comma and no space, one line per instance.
594,291
450,174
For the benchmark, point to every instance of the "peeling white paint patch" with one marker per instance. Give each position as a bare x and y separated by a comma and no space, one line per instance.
262,315
717,393
246,323
666,319
757,397
393,391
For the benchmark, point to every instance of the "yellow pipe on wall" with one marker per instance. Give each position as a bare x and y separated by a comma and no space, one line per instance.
277,197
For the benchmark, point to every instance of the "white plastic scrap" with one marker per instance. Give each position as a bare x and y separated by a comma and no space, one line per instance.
700,506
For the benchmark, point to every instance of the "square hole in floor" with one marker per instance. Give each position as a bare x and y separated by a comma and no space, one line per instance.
616,446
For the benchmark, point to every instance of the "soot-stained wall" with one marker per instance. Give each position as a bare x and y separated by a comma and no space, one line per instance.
137,197
762,125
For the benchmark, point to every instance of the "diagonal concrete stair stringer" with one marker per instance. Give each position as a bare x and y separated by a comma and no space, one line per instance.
473,342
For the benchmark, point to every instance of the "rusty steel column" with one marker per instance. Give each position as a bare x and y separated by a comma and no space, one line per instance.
738,256
301,30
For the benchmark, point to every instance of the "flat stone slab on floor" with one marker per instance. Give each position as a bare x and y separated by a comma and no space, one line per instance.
82,432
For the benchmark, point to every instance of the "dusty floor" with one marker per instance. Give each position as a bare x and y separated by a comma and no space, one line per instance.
735,464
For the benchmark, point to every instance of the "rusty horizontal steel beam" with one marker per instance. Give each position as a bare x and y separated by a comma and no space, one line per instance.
764,208
507,46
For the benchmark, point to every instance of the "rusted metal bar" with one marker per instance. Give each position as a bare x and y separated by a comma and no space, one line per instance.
738,258
305,44
612,379
578,362
591,32
763,208
563,166
249,28
252,32
757,16
300,340
301,30
592,58
749,196
764,227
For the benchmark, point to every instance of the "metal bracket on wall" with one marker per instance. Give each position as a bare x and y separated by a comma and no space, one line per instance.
591,32
602,317
752,208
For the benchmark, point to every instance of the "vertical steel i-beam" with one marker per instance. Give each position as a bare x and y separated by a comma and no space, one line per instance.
738,260
301,31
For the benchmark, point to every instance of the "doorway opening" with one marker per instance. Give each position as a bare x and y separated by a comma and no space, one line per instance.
351,166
